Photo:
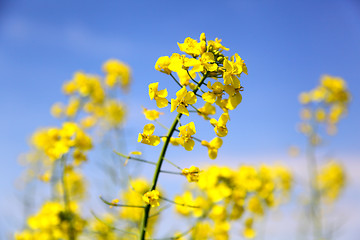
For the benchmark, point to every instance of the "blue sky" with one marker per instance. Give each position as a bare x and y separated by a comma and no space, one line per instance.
287,46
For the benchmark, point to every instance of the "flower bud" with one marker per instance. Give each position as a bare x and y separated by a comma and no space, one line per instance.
203,37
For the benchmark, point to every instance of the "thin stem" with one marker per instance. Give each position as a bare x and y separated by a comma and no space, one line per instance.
119,205
176,80
173,164
160,210
315,207
111,227
162,125
142,160
180,204
134,158
160,161
66,199
171,172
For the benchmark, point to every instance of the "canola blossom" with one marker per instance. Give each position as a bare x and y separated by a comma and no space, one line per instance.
220,202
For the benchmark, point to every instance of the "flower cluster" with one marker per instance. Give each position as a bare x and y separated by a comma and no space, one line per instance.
326,104
52,222
90,96
331,181
226,195
57,153
207,62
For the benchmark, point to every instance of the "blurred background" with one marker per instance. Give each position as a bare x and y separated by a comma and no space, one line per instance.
287,46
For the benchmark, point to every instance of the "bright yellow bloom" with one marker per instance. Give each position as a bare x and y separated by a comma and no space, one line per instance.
159,96
185,78
179,62
72,108
147,136
216,93
185,134
320,115
152,198
205,62
235,97
151,114
191,47
213,146
192,173
233,70
114,112
69,88
88,122
220,126
57,110
184,98
255,205
216,45
117,72
331,181
187,199
207,110
162,64
248,231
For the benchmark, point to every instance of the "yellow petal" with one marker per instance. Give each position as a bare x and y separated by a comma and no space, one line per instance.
162,102
216,142
209,97
189,145
149,129
182,109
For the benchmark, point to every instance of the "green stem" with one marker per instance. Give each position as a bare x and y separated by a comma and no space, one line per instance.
66,198
315,207
160,161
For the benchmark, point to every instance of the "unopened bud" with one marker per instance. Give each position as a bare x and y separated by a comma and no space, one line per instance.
203,37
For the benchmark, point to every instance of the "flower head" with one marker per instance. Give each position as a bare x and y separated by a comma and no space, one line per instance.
185,135
213,146
147,136
184,98
192,173
159,96
220,126
152,198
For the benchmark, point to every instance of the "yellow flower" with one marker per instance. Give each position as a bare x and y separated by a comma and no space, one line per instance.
233,70
207,110
72,108
216,45
184,98
147,138
117,71
162,64
185,134
331,181
152,198
320,115
159,96
191,47
213,146
220,126
205,62
255,206
57,110
114,112
185,78
192,173
235,97
179,62
248,231
151,114
217,92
